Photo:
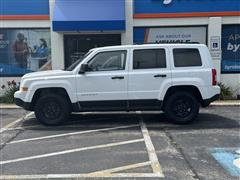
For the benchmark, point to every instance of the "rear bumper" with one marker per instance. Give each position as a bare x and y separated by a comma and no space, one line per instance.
21,103
206,102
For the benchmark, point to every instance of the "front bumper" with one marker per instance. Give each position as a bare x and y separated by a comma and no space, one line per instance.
19,99
21,103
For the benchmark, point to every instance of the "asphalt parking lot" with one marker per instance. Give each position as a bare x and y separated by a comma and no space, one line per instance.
134,145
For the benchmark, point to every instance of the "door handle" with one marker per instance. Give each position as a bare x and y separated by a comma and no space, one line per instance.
160,75
118,77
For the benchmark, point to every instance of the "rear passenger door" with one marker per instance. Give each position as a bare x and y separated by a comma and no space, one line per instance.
148,72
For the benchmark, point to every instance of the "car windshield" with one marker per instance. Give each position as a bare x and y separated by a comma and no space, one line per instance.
74,65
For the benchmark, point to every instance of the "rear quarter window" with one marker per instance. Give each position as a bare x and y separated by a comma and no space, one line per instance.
186,57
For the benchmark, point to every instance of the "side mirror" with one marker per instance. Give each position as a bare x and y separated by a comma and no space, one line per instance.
84,68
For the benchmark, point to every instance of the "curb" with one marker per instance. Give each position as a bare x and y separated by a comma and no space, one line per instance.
9,106
225,103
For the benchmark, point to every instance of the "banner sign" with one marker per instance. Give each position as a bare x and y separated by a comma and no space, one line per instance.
231,49
24,50
24,9
185,8
170,35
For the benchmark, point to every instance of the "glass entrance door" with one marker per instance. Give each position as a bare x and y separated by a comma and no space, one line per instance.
75,46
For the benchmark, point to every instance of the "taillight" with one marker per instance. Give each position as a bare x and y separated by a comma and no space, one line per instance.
214,77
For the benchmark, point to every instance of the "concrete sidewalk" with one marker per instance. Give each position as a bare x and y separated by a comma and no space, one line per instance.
216,103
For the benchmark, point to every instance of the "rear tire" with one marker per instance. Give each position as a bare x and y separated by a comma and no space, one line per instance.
52,109
181,108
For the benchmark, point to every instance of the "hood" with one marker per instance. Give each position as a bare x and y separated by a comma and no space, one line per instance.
45,74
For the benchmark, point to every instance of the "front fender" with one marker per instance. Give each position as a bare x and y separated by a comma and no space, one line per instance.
65,84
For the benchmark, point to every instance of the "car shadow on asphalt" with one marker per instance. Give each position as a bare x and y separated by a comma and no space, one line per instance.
203,121
86,121
153,121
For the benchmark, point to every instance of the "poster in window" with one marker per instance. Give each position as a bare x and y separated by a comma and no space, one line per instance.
170,35
24,50
230,49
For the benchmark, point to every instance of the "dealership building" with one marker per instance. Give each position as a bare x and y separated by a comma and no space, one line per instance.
53,34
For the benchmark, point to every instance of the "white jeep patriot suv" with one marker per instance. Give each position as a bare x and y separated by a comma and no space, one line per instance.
174,78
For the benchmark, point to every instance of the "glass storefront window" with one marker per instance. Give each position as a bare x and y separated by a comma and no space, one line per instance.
76,46
24,50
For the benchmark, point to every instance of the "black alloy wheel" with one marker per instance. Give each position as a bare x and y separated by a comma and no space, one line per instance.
52,109
181,107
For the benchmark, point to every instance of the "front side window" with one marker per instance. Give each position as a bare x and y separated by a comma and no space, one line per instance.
186,57
108,61
149,58
75,64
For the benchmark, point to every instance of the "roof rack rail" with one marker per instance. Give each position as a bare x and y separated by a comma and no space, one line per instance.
168,43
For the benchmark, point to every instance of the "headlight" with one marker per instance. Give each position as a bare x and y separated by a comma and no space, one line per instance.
24,89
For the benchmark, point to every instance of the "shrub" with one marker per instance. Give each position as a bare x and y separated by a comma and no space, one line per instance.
10,89
226,92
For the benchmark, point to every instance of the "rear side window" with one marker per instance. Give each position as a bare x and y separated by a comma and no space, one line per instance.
149,58
186,57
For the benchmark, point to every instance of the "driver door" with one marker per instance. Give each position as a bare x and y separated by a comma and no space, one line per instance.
104,85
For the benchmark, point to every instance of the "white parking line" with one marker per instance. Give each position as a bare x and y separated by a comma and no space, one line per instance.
113,173
72,133
65,176
15,122
70,151
122,168
12,129
151,150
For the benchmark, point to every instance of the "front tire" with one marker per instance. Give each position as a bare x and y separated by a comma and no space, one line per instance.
52,109
181,108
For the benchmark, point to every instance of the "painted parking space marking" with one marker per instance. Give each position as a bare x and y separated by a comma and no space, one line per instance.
236,162
151,150
33,127
122,168
65,176
15,122
72,133
115,172
229,158
71,151
157,169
